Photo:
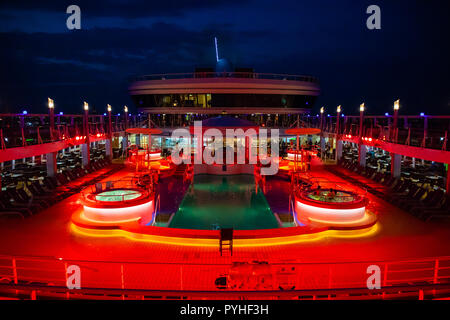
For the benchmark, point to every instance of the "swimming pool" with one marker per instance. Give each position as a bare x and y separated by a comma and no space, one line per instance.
118,195
213,202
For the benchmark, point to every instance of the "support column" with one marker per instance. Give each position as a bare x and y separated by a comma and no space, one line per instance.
338,141
138,140
51,116
338,149
108,143
394,125
51,164
448,179
108,148
125,137
85,148
396,165
85,154
362,150
322,146
322,139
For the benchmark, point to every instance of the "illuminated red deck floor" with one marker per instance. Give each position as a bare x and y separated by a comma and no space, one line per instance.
400,236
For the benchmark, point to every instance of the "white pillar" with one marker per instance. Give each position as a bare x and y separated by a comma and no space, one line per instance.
84,154
51,164
138,139
362,150
322,146
108,148
125,142
396,165
338,149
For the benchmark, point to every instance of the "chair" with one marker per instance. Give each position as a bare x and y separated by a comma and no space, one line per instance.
98,187
226,241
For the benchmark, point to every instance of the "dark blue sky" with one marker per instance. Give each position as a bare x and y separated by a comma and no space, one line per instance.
407,59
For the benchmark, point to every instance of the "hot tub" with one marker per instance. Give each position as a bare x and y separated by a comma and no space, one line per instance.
117,205
330,207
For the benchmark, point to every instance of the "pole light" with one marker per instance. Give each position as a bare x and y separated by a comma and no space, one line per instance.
397,105
85,106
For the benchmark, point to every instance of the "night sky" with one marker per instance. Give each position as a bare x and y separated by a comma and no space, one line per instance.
408,59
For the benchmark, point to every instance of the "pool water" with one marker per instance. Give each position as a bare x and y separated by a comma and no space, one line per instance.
214,202
324,196
118,195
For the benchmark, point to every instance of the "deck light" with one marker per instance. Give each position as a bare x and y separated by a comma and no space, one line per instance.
397,105
422,114
61,113
386,114
24,112
86,106
51,105
361,107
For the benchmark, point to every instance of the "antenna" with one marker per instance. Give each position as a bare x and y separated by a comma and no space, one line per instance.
217,49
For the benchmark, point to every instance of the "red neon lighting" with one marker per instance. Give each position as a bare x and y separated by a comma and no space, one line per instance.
118,214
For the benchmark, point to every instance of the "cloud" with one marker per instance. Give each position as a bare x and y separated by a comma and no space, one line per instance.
75,63
120,8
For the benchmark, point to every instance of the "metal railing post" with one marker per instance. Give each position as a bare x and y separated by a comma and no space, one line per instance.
122,280
14,266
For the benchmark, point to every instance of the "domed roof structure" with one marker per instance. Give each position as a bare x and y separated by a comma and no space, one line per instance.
226,122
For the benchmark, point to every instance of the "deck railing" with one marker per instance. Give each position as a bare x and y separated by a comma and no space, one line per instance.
20,130
277,278
239,75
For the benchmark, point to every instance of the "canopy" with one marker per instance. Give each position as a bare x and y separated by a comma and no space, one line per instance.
226,122
302,131
144,131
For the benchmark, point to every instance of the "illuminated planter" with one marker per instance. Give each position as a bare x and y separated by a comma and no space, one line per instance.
117,205
153,155
343,208
292,154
